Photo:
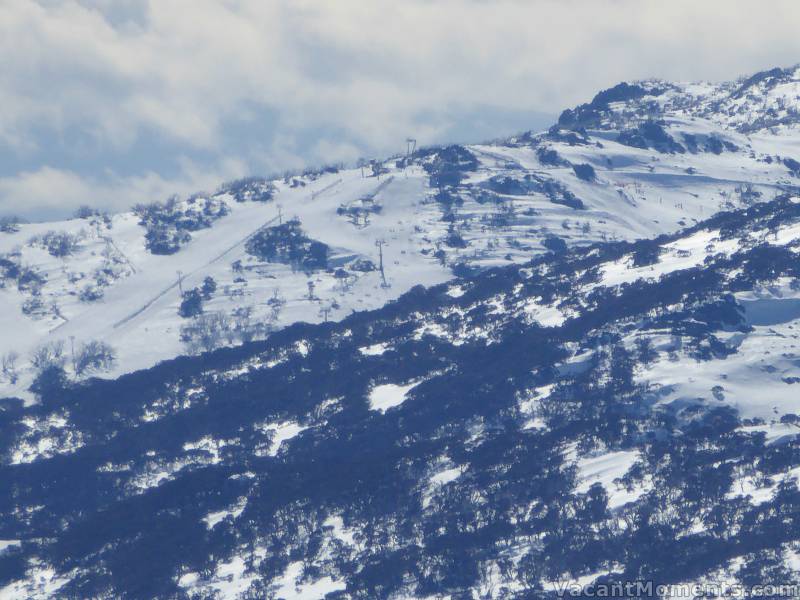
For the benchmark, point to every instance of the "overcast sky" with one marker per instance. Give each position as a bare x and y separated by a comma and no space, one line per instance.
112,102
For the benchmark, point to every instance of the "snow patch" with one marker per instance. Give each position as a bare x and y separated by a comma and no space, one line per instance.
374,349
40,583
386,396
6,545
339,531
282,432
214,518
229,580
289,588
604,469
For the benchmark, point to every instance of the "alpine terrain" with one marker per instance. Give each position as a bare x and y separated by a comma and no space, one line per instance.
502,370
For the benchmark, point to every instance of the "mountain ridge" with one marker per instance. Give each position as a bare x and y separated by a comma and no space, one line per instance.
520,404
441,210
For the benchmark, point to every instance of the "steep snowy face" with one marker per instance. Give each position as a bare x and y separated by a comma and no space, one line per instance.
768,100
621,412
186,275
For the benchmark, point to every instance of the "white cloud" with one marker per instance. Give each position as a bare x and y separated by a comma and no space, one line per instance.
332,79
49,192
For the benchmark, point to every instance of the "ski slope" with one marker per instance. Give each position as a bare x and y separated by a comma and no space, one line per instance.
636,192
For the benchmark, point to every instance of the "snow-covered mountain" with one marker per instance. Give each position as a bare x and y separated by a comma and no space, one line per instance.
605,392
639,160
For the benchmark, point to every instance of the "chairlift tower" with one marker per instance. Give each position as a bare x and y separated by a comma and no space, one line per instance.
380,244
72,351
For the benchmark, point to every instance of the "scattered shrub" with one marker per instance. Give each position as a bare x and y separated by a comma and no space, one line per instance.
249,189
191,304
558,194
363,265
548,156
205,332
651,134
33,306
359,212
584,171
85,212
555,244
8,363
454,239
169,223
90,293
163,240
29,279
48,355
208,288
57,243
646,254
94,356
792,165
448,165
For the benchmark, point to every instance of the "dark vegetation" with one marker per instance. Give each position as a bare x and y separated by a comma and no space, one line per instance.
651,134
516,493
585,172
9,224
192,300
57,243
249,189
169,224
287,243
534,184
588,115
447,167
